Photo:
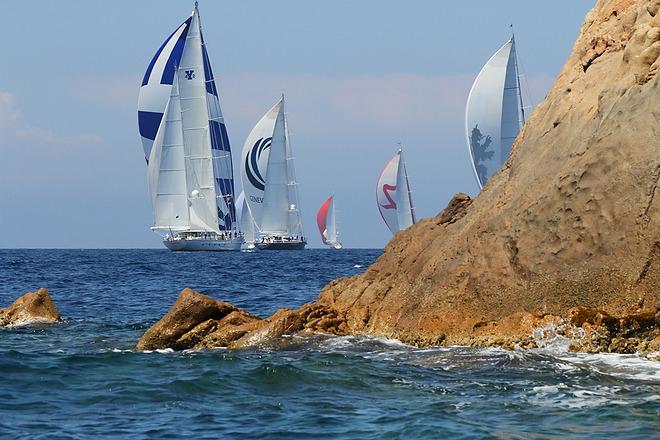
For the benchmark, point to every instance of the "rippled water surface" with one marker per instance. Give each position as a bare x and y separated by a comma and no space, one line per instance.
81,378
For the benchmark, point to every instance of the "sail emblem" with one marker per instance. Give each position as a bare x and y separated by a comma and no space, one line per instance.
190,74
254,175
386,190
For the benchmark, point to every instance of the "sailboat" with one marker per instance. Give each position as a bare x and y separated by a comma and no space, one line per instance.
269,183
393,195
494,113
247,222
325,219
189,164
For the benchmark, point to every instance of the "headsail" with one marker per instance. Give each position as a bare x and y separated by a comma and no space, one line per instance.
493,113
393,195
254,161
166,171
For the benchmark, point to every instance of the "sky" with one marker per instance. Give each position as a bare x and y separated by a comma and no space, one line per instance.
359,77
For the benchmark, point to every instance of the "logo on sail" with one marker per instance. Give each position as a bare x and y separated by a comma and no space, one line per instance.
386,190
190,74
481,153
252,171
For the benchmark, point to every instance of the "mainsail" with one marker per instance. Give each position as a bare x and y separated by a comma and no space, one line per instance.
325,220
494,113
393,195
190,145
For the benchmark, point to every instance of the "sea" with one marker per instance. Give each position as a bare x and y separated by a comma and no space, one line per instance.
83,379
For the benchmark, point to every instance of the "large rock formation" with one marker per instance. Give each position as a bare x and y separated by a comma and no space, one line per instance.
571,220
31,308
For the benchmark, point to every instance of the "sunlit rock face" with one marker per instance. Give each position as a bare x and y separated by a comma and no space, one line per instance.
571,220
31,308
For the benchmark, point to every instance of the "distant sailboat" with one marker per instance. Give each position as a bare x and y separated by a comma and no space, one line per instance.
269,182
393,195
494,113
186,146
325,219
247,222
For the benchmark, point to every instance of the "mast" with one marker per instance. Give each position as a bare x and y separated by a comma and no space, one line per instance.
295,226
515,60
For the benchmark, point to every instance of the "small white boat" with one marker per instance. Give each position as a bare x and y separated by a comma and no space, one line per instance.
494,114
186,146
325,220
393,195
269,183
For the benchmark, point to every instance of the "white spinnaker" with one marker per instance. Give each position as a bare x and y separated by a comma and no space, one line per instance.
404,207
166,170
330,233
386,193
492,113
254,161
275,215
196,137
295,226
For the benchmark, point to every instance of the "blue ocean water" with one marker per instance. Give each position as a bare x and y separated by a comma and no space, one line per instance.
82,379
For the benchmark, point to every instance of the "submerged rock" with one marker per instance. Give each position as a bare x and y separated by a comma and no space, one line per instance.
31,308
199,321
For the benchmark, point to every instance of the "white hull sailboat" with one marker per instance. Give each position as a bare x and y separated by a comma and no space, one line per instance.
494,113
269,183
393,195
326,221
187,149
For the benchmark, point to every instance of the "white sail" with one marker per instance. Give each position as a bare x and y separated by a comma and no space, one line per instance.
275,215
200,181
166,171
295,227
492,116
393,195
254,162
404,211
247,222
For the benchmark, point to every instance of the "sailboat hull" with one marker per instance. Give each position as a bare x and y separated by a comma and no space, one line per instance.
186,244
281,245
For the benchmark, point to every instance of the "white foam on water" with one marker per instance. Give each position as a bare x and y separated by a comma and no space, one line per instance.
357,266
26,322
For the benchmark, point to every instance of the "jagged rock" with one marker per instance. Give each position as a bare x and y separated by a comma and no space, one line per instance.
198,321
572,219
192,317
31,308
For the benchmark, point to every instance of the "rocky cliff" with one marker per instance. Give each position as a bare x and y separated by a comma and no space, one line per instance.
571,220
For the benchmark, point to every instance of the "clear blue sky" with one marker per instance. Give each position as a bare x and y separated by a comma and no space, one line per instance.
359,76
